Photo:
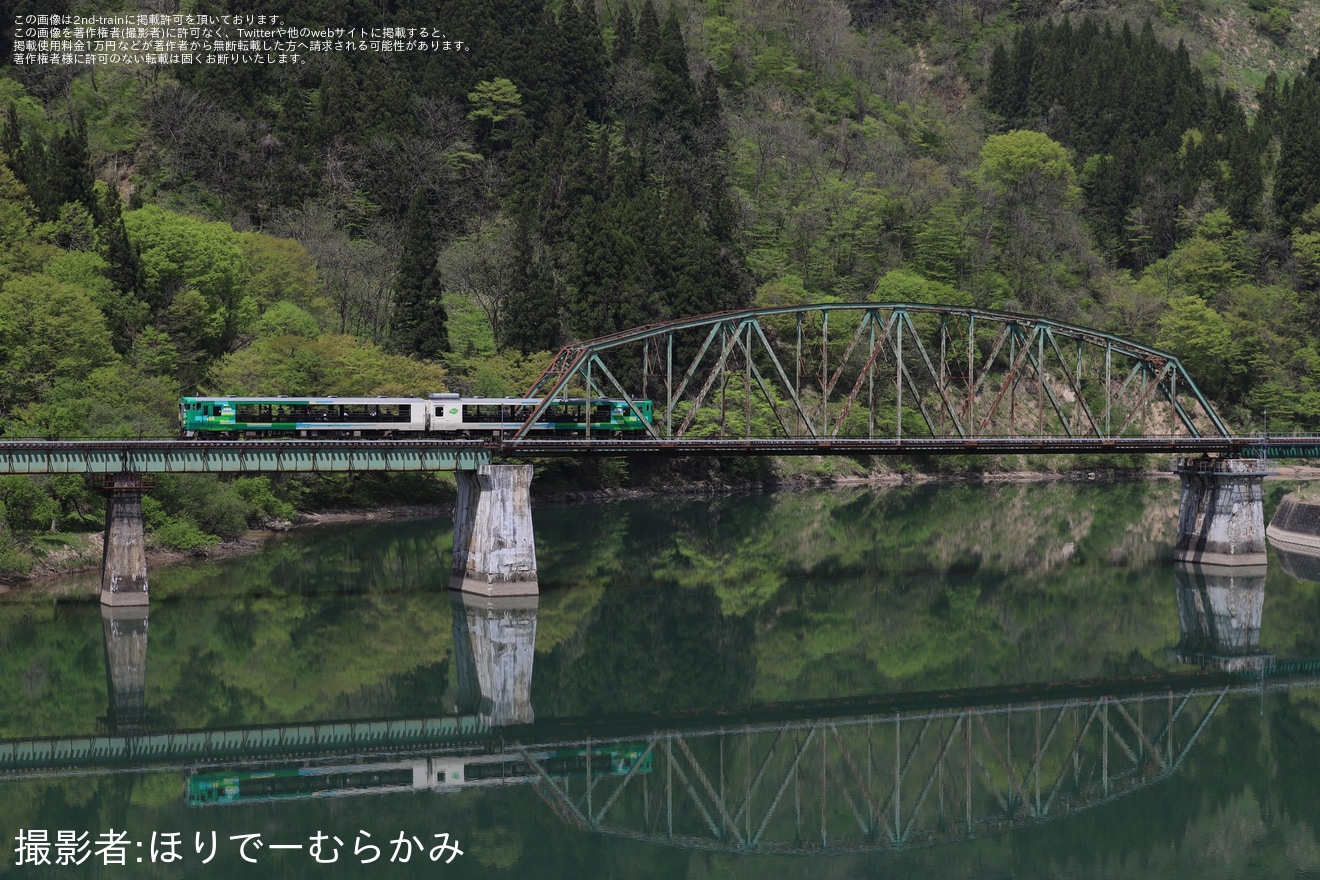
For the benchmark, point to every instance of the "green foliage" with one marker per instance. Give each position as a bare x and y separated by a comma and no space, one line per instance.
1026,165
14,560
899,285
419,325
194,282
26,507
1202,267
199,507
118,401
329,364
1306,253
570,191
941,247
286,319
495,376
469,328
279,270
257,494
1200,338
90,272
495,101
1129,101
1275,22
19,248
49,331
1297,178
179,534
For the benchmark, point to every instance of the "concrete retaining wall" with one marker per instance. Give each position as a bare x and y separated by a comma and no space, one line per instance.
1296,525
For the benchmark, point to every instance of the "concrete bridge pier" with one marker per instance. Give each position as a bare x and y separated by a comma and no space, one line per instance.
1221,518
124,628
494,645
124,559
494,550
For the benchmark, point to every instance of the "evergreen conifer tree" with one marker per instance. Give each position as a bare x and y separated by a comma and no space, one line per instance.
119,253
623,34
419,320
648,33
531,311
1297,180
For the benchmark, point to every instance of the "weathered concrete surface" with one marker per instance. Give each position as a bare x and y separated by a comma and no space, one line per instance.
1219,614
124,559
494,645
1296,525
124,628
494,548
1221,518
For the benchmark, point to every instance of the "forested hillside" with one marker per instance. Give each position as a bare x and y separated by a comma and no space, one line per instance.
366,222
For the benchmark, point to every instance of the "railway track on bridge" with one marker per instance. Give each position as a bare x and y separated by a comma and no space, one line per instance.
329,456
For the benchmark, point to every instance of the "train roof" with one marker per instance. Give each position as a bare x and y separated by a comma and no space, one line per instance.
489,401
527,401
286,400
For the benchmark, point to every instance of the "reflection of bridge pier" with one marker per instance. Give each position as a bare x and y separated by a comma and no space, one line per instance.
494,645
125,630
1219,614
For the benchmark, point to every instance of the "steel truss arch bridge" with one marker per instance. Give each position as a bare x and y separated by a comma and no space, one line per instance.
882,378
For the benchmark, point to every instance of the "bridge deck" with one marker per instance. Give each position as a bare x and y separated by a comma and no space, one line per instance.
331,456
249,456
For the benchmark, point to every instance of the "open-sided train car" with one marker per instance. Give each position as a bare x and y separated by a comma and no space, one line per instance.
389,417
230,417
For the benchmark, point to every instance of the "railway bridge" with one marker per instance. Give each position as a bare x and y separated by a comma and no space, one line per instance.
823,379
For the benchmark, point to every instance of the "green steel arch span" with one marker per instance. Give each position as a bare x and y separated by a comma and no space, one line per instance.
887,372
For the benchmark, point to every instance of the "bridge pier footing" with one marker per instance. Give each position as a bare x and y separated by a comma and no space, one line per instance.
124,559
494,549
1221,517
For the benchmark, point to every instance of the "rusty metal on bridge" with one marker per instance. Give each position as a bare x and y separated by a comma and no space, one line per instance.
886,377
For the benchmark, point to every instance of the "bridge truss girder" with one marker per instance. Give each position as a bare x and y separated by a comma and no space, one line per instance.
883,782
878,370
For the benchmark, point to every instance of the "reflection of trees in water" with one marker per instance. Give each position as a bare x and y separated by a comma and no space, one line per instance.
646,650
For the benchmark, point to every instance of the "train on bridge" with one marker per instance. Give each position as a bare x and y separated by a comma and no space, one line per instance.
439,415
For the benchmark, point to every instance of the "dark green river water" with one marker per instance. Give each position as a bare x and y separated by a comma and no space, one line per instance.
942,681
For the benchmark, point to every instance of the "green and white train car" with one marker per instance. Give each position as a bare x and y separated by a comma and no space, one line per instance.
302,416
440,415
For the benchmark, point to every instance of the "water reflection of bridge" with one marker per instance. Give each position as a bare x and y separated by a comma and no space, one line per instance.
882,773
870,773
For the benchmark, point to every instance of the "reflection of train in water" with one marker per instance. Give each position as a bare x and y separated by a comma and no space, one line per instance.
440,416
420,774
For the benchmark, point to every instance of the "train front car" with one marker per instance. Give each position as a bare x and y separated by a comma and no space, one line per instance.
342,417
